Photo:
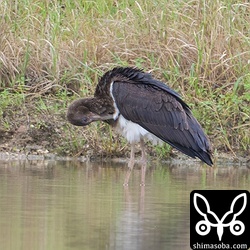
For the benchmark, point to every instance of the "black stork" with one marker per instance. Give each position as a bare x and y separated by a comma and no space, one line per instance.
140,107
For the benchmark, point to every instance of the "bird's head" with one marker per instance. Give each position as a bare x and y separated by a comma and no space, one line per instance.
79,113
84,111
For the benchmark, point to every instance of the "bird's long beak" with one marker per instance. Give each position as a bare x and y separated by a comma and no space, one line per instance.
96,117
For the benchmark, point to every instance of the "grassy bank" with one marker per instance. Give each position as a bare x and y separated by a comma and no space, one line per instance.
54,51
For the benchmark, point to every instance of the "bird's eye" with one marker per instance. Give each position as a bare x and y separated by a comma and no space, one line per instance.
85,119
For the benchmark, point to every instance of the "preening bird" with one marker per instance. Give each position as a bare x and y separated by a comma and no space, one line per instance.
140,107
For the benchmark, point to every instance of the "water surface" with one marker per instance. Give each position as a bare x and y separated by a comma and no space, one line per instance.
72,205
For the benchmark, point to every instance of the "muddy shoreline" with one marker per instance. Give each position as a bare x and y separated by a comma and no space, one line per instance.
179,159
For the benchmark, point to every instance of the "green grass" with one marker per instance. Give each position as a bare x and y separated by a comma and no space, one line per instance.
57,50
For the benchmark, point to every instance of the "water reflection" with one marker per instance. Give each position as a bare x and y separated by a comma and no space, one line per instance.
74,205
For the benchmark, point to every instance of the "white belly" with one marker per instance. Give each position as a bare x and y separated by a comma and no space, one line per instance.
134,132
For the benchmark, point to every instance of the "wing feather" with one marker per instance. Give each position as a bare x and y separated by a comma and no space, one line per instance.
161,112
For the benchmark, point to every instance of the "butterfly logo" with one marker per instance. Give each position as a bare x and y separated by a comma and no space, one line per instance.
203,227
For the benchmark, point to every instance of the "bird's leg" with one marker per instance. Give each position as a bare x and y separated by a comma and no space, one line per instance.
143,162
143,152
131,164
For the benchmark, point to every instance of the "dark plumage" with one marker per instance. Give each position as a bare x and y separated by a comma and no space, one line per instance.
128,97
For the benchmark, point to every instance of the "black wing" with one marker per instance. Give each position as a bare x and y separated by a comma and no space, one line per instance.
160,111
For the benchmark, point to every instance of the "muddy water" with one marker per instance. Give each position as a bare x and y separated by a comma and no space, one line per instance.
73,205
